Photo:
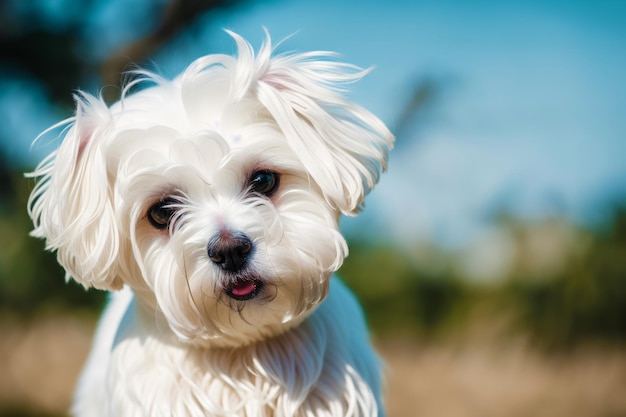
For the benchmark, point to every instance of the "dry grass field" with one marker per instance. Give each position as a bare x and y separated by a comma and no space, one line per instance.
476,376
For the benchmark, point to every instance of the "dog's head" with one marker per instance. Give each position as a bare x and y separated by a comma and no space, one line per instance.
215,196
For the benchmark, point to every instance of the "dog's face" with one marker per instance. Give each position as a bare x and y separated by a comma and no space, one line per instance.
215,196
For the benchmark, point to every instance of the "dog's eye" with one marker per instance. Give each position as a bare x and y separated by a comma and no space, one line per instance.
264,182
160,214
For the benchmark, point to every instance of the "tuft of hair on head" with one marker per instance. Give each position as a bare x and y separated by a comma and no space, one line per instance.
343,146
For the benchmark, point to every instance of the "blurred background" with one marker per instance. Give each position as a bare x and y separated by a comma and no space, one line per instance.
491,259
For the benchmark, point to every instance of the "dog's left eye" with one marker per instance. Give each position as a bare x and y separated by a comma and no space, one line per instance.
160,214
264,182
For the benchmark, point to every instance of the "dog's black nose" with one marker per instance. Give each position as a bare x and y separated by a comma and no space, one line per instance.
230,251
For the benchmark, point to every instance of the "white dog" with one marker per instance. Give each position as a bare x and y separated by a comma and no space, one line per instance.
212,202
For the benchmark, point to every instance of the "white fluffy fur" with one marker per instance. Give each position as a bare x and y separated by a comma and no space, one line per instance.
171,342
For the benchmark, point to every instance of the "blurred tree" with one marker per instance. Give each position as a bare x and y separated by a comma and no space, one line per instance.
586,300
580,298
52,50
33,45
175,17
423,94
400,295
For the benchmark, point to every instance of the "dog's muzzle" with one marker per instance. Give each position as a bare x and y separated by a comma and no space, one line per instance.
231,252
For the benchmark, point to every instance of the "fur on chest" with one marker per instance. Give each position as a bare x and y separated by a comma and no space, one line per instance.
301,373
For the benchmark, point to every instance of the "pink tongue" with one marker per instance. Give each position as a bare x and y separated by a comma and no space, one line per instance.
243,288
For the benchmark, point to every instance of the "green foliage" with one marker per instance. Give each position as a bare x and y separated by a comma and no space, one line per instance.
31,280
586,300
398,296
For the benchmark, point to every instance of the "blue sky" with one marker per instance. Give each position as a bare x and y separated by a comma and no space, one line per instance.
528,116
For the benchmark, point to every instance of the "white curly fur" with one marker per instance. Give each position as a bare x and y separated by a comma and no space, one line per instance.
174,341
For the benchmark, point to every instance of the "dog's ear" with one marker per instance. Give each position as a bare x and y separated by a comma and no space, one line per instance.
343,146
71,205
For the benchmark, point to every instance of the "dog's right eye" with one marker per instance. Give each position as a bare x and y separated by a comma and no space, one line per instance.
160,214
264,182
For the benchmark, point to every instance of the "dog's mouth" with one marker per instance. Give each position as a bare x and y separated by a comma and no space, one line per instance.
242,289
